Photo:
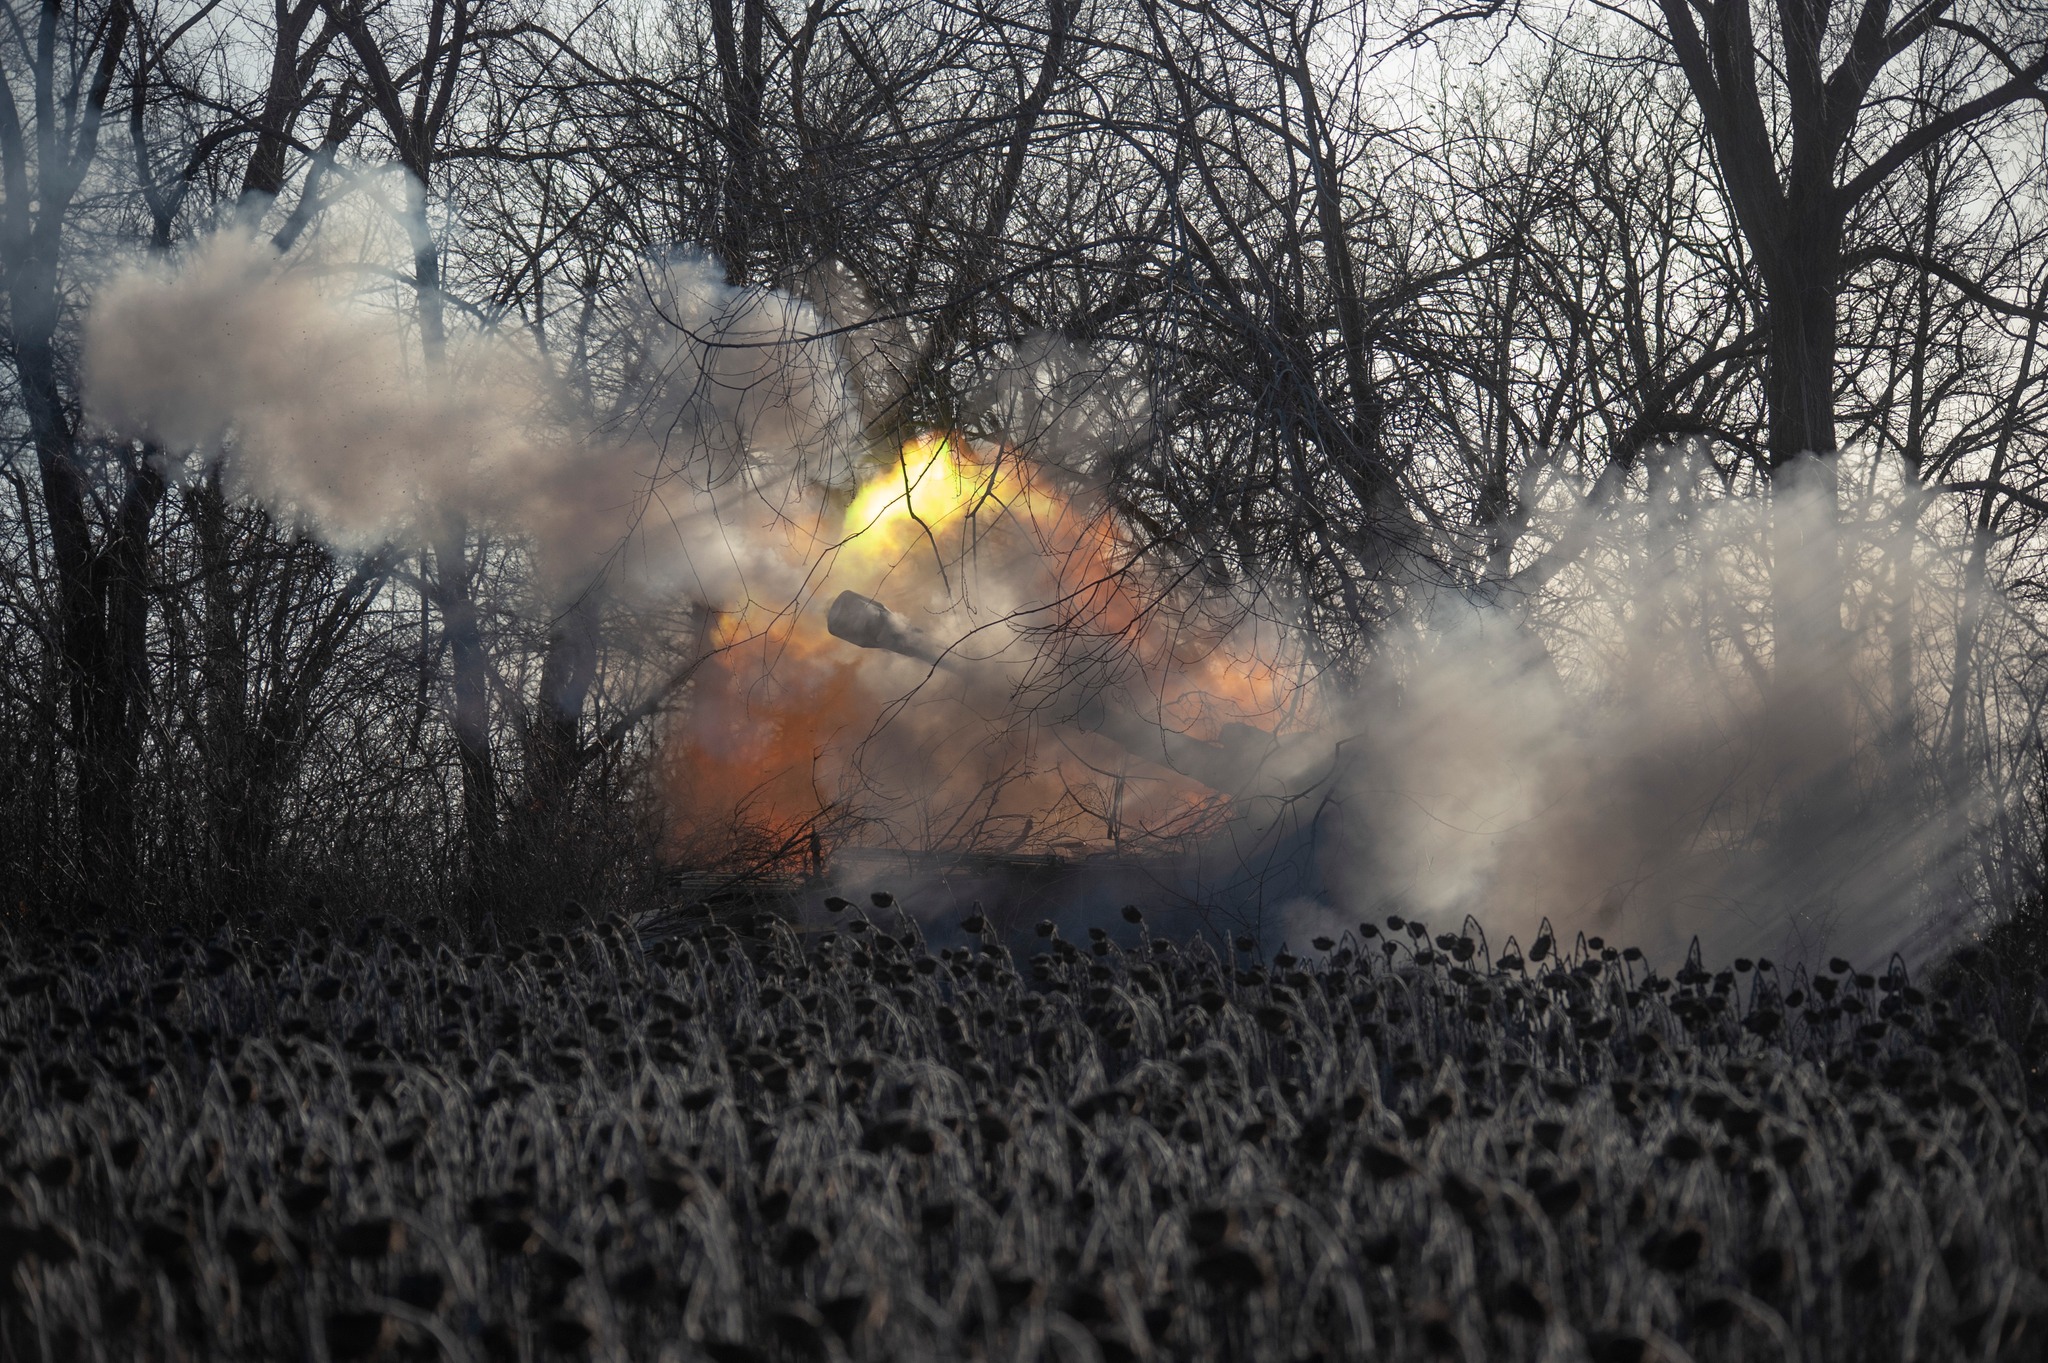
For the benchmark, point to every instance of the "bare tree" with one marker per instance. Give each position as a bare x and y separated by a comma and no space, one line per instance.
1808,122
1317,323
97,504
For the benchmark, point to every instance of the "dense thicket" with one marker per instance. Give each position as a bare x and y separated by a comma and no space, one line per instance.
1338,307
746,1142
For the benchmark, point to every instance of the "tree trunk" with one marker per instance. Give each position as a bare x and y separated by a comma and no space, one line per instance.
737,41
546,845
454,590
1799,392
471,712
263,178
1903,730
1813,737
568,670
103,606
224,691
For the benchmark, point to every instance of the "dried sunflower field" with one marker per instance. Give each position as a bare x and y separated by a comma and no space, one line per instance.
740,1141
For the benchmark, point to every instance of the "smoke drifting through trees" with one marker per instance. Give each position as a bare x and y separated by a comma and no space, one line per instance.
1475,414
1609,750
1599,750
311,407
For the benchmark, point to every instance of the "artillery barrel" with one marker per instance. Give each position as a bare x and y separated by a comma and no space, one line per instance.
867,622
1222,767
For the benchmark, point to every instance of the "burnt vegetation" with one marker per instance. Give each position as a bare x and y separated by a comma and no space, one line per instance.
731,1139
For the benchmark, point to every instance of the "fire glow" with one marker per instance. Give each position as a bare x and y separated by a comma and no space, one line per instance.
792,740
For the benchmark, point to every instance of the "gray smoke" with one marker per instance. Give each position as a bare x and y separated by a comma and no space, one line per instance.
318,406
1618,749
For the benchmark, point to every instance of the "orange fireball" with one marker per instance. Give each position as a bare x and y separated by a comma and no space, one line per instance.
790,737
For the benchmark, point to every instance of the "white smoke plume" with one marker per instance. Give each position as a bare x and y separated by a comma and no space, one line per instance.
1620,749
320,407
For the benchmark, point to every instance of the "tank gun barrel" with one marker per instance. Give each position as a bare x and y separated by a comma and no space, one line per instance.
867,622
1224,767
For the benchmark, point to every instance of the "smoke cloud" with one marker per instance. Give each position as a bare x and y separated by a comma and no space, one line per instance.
319,407
1638,748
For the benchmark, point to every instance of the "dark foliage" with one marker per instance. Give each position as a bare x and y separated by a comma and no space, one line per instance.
743,1141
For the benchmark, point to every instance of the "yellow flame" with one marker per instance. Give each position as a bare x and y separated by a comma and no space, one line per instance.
939,482
942,487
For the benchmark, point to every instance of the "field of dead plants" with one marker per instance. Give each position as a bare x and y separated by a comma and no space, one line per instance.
738,1141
